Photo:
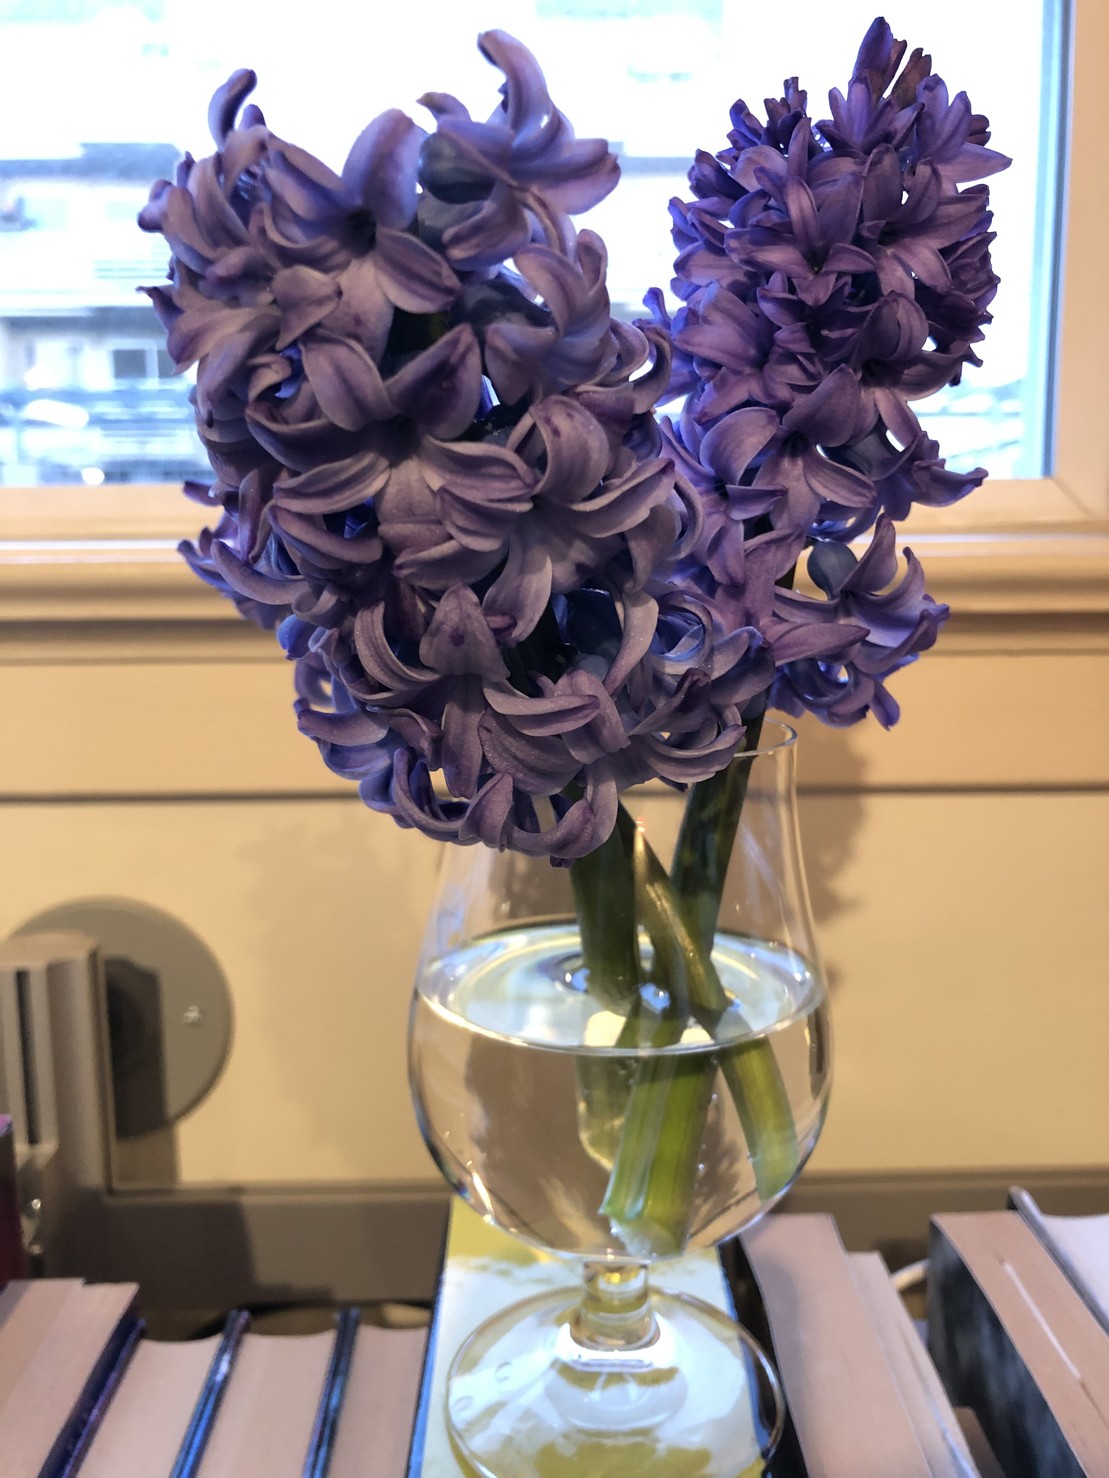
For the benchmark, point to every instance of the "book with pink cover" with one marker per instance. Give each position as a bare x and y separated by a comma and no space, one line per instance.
84,1395
1079,1245
62,1346
843,1362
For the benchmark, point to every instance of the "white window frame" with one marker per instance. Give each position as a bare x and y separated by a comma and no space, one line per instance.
999,545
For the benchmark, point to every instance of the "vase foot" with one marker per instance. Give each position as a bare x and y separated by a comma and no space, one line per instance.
699,1399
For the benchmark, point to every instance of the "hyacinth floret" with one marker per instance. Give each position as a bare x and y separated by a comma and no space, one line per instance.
830,272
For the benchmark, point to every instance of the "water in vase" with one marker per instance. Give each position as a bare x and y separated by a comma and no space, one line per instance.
522,1087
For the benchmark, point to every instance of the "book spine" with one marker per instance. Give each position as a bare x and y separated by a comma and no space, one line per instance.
191,1452
130,1335
13,1261
423,1404
1023,1204
79,1427
321,1447
982,1369
415,1468
750,1310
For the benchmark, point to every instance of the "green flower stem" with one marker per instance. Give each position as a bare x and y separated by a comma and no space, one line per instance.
754,1081
604,896
706,838
650,1189
651,1184
649,1133
700,867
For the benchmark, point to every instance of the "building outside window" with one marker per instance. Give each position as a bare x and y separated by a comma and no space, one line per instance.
656,77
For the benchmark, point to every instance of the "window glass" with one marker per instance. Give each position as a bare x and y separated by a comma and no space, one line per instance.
87,394
132,364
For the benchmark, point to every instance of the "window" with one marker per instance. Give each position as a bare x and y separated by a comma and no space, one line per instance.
654,76
46,213
132,364
122,212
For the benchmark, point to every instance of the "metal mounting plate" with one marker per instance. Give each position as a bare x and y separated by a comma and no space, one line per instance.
169,1007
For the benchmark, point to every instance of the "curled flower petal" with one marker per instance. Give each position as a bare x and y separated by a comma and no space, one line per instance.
346,381
380,170
226,102
413,276
441,388
305,298
459,640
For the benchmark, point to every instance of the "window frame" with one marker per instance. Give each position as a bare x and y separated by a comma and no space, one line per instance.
140,523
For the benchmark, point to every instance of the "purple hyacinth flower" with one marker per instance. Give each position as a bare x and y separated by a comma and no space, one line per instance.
508,592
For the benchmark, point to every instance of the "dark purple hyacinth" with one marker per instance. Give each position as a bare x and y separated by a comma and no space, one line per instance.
508,591
830,274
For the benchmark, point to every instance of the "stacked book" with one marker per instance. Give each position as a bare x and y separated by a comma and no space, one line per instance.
1009,1377
1018,1326
864,1398
82,1391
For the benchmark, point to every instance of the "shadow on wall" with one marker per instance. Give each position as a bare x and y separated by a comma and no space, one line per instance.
828,851
333,901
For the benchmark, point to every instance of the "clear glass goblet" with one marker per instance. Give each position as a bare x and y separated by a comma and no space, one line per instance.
621,1129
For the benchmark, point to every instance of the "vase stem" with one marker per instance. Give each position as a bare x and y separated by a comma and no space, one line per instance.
616,1313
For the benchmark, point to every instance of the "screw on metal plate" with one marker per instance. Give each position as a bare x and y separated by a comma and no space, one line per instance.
32,1226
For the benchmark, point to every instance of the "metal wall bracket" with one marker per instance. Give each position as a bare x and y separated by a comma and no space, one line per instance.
168,1005
54,1080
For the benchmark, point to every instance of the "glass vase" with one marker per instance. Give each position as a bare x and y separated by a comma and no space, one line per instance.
617,1061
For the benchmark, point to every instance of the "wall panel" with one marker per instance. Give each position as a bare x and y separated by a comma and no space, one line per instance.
958,863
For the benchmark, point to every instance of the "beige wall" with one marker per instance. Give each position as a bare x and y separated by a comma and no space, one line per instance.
959,867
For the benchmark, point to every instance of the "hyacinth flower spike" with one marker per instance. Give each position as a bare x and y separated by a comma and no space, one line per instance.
830,273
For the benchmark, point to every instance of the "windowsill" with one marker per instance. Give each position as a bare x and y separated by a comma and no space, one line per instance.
68,560
132,513
50,589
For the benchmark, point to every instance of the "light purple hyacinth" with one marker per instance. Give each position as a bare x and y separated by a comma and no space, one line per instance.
437,470
830,274
508,591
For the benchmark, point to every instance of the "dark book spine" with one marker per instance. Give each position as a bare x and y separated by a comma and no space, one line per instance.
980,1368
191,1452
13,1261
79,1427
321,1447
749,1309
415,1467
